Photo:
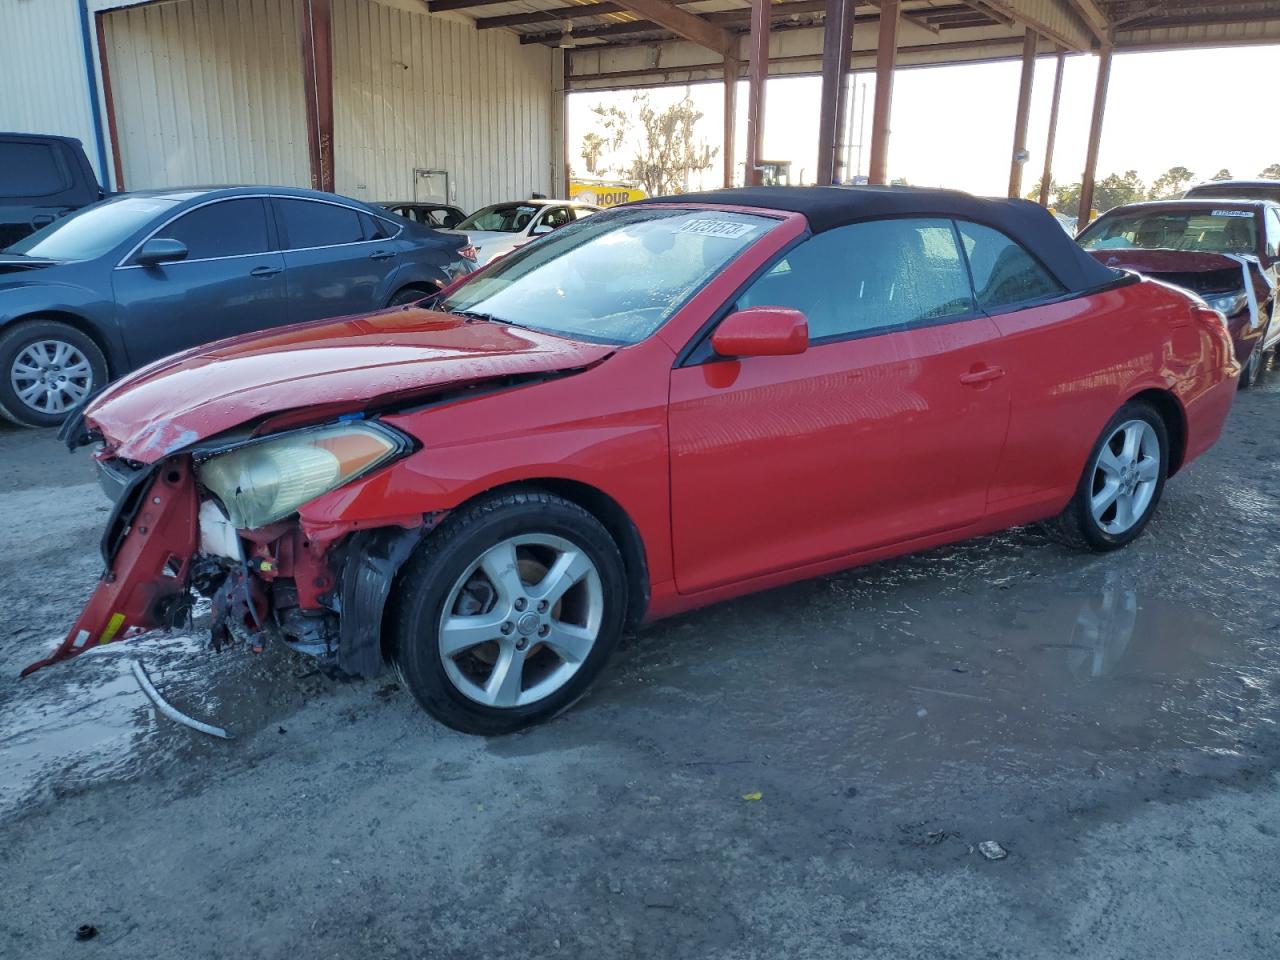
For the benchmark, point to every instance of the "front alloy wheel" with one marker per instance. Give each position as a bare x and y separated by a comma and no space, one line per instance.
521,621
51,376
47,368
507,611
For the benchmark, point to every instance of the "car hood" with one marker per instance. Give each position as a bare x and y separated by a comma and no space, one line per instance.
1201,273
332,366
482,237
1165,261
15,266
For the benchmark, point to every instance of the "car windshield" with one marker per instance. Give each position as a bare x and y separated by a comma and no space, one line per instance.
501,217
614,277
91,232
1206,231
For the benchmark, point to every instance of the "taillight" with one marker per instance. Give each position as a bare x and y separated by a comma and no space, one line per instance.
470,252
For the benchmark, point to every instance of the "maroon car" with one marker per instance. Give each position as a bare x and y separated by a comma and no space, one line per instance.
1225,251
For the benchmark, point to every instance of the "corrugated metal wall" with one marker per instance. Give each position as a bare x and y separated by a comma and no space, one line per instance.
208,92
430,92
44,87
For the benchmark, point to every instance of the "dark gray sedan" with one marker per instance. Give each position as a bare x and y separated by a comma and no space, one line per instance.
143,275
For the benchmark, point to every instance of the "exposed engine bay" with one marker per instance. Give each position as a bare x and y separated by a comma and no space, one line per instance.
171,537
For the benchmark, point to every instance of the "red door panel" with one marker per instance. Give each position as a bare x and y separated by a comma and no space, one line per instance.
780,461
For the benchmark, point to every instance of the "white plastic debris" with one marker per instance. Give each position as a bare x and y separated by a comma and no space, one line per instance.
992,850
170,711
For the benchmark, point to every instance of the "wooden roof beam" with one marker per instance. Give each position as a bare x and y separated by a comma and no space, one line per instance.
1094,18
683,24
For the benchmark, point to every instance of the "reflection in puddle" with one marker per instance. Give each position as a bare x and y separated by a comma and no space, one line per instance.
1102,631
907,669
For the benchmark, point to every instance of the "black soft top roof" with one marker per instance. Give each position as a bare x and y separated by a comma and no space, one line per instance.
828,207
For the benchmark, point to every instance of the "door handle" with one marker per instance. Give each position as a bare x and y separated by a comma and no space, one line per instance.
381,255
981,375
264,271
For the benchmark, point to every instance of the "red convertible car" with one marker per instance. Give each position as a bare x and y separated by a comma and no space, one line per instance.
659,407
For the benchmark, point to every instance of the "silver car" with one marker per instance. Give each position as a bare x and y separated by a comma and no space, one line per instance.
502,227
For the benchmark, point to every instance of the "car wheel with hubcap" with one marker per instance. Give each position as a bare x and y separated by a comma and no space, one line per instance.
48,368
1121,483
507,612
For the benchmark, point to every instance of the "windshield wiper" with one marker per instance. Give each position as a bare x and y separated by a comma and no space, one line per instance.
480,315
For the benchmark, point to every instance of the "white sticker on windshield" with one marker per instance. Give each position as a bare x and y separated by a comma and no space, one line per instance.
1233,213
728,229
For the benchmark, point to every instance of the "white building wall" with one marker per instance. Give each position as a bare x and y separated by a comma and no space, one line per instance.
432,92
44,87
208,92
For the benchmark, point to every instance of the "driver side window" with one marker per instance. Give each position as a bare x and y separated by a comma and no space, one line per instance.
870,277
225,228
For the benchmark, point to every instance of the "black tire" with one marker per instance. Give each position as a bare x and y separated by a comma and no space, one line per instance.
17,338
1076,526
407,295
429,577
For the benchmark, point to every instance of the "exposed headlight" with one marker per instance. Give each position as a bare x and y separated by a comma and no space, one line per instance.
266,480
1229,304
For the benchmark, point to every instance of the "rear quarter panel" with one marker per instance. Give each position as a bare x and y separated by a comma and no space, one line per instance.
1074,363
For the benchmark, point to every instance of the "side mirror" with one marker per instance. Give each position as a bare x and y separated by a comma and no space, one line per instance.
541,229
762,332
159,250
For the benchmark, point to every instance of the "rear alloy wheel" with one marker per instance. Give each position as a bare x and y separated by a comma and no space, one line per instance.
48,369
1122,483
506,613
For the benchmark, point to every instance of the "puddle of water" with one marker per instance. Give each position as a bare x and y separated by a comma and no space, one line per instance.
904,675
88,721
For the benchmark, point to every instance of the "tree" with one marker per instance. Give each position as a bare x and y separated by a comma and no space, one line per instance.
666,154
1223,174
1066,199
593,146
1171,184
1116,190
1272,171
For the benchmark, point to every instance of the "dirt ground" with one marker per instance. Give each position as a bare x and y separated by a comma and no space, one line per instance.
1110,721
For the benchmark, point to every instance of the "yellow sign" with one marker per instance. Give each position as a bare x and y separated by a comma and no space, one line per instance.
604,194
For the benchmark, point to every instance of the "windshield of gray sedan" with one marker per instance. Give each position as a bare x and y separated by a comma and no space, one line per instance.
1205,231
615,277
91,232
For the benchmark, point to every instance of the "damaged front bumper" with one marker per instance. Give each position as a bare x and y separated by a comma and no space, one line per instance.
167,541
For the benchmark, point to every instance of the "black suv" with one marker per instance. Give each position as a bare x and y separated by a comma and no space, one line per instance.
42,178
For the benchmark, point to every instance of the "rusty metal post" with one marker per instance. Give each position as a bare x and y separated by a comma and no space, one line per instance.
1030,40
757,74
731,69
317,78
1046,179
1095,137
886,57
836,51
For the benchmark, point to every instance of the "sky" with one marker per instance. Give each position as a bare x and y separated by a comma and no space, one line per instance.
953,126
